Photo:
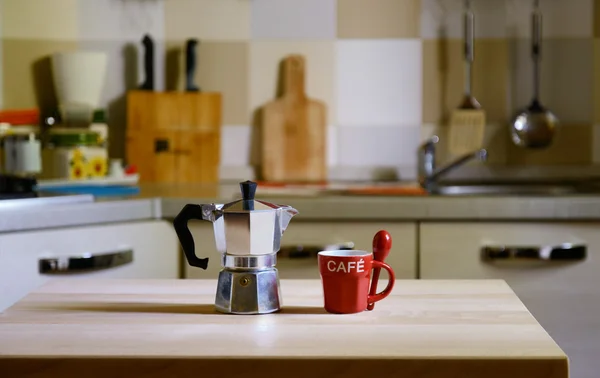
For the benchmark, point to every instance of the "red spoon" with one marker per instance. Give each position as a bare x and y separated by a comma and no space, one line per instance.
382,243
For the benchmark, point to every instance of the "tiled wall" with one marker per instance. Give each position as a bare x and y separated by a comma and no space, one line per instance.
390,71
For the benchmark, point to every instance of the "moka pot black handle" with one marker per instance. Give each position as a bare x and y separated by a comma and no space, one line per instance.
189,212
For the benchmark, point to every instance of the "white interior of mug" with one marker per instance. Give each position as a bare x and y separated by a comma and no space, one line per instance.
344,253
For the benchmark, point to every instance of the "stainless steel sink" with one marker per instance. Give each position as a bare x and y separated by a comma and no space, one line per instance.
533,189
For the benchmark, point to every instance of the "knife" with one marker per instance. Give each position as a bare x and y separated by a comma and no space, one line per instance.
190,65
148,84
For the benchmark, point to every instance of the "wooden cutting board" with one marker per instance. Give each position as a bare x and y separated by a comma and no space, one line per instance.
174,137
169,328
294,130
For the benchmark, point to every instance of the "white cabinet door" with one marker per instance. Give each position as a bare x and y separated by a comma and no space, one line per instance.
563,295
128,250
315,236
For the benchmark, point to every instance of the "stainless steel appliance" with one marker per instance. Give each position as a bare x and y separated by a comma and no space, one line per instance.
248,236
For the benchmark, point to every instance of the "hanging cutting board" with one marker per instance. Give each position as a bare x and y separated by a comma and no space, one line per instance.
294,128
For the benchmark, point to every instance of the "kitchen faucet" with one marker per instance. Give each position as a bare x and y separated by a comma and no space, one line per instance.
429,174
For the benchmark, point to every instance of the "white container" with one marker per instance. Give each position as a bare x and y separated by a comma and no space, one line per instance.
21,150
79,77
22,154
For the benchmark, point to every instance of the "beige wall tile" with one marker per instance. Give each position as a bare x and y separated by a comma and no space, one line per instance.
207,19
27,74
445,18
221,67
35,19
572,145
566,86
443,78
490,78
561,18
596,145
495,141
379,18
596,18
596,74
265,57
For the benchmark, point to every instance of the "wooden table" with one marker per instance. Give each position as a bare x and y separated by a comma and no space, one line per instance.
168,328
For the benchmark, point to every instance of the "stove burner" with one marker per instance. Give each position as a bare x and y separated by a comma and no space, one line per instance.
16,187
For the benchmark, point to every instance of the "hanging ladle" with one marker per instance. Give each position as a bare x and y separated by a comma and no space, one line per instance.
535,126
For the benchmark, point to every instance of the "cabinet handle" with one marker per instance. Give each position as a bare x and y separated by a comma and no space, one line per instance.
563,252
307,251
85,263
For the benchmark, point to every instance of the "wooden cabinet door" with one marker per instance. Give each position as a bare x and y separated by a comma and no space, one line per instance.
563,295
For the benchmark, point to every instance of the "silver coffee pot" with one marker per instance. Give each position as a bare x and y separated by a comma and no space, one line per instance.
248,236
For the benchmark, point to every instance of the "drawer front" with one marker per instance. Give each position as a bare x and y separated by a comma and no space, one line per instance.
562,294
315,236
130,250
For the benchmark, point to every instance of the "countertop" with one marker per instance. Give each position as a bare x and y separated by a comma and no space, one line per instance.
152,328
165,201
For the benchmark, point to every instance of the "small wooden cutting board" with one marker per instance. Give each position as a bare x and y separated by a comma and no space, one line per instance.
294,131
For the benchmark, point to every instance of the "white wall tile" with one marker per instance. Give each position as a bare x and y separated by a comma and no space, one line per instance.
120,20
378,82
445,17
265,57
561,18
290,19
378,146
207,19
332,146
235,145
35,19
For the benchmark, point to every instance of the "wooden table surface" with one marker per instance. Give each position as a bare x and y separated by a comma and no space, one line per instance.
169,328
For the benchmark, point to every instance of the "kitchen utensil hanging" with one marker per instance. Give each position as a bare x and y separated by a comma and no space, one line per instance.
467,123
535,126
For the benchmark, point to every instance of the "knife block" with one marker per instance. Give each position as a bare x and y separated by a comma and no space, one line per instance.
174,137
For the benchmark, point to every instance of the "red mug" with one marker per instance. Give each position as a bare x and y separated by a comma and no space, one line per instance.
346,278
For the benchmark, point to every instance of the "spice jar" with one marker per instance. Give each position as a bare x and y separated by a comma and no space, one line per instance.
75,154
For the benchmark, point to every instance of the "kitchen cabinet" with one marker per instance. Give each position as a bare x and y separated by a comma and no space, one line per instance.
563,295
146,249
316,236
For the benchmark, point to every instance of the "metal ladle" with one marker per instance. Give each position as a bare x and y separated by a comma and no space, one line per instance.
535,126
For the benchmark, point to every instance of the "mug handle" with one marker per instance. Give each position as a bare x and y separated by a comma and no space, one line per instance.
391,281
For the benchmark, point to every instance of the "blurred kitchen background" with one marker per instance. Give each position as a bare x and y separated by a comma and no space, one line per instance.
389,71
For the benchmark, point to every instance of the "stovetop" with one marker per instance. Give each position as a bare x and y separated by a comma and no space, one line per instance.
17,192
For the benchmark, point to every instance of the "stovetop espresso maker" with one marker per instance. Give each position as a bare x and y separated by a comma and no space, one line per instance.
248,235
